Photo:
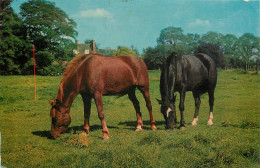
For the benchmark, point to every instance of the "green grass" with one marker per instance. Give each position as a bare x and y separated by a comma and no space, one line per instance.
233,140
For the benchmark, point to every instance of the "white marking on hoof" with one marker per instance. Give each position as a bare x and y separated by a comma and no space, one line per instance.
105,137
138,128
210,122
168,111
194,122
153,127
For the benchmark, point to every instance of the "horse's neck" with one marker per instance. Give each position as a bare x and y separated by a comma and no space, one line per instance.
67,94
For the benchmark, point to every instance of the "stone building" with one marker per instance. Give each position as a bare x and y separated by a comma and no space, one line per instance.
85,48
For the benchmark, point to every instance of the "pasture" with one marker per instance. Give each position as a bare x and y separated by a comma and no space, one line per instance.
233,140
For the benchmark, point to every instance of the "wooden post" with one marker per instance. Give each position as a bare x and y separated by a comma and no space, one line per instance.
34,72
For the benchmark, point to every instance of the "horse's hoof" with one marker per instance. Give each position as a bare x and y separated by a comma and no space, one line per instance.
138,129
84,133
210,122
182,128
105,137
153,127
194,123
86,130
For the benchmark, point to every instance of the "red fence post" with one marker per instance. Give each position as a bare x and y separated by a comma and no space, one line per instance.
34,74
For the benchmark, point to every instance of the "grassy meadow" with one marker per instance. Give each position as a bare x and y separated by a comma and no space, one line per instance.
233,140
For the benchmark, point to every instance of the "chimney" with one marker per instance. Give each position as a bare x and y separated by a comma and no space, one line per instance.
93,46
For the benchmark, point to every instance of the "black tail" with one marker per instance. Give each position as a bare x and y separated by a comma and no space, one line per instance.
214,51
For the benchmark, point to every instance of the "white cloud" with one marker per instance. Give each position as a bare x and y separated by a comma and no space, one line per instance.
94,13
199,22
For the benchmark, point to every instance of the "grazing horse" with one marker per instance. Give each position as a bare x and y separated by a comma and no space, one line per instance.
93,76
196,73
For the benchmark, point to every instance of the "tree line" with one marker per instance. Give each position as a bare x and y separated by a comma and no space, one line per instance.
41,24
228,51
53,34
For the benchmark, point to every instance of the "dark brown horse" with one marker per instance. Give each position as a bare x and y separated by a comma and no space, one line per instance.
93,76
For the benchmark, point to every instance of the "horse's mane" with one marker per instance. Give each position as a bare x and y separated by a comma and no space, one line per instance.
170,60
173,56
75,64
72,67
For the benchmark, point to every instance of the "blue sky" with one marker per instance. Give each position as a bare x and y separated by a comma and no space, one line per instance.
114,23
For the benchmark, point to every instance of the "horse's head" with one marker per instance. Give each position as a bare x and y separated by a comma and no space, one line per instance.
169,113
60,118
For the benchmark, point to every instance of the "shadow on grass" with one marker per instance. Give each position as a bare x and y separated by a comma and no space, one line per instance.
92,128
145,126
47,134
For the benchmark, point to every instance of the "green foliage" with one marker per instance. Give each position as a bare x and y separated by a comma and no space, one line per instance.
247,46
47,26
106,51
123,51
233,140
171,35
49,29
232,52
14,53
154,57
44,59
212,37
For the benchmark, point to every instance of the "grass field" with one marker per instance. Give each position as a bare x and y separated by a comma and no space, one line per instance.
233,140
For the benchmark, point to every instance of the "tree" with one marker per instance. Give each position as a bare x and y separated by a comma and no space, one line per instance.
49,28
123,51
14,55
229,48
171,35
212,38
247,47
155,57
106,52
191,41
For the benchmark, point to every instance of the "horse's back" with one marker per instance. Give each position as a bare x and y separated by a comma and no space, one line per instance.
200,70
209,63
113,75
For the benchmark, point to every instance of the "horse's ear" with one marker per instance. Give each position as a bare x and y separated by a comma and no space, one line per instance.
51,102
159,101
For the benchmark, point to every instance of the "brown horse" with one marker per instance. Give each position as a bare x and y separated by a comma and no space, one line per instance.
93,76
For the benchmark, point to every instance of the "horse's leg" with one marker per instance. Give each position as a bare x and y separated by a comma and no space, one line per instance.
181,107
87,109
132,97
197,107
145,92
211,103
99,104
